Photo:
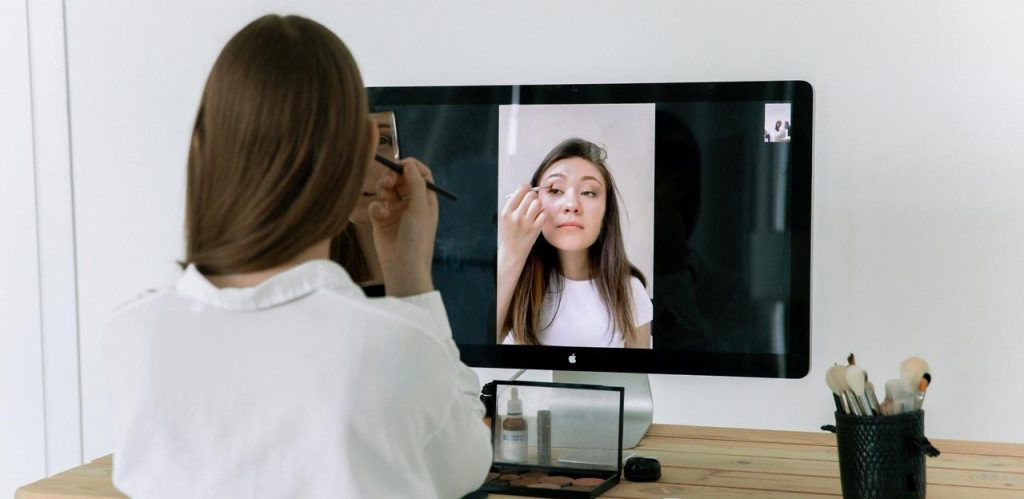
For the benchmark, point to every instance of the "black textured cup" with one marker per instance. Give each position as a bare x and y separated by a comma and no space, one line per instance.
882,456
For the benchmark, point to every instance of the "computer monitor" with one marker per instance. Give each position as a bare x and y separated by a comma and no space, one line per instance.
714,184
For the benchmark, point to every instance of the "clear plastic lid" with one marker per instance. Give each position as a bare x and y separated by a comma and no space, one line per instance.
584,430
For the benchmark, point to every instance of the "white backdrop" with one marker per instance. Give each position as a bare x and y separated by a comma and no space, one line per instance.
918,247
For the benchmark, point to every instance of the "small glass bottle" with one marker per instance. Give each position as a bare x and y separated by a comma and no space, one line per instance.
513,431
544,438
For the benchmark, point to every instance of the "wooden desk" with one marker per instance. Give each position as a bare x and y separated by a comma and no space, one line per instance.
716,463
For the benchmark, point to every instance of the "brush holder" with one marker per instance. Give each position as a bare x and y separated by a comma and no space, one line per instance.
882,457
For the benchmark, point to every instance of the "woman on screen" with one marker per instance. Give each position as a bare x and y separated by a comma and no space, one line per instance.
563,275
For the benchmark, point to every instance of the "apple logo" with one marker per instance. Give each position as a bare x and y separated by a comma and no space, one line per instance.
572,358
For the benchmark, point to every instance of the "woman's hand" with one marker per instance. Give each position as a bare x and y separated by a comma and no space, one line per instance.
519,225
404,218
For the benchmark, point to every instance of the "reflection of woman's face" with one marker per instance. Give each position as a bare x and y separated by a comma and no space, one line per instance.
386,147
575,203
374,172
778,124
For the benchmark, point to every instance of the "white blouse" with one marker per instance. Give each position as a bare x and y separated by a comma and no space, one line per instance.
298,387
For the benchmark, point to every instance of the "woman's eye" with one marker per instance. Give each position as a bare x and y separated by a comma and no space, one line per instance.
385,140
590,194
554,191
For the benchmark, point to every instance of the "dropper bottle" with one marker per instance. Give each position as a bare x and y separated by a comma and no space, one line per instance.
513,431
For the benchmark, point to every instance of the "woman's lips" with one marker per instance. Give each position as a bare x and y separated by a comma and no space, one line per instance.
570,225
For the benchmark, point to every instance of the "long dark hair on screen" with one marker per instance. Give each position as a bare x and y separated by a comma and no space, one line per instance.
609,267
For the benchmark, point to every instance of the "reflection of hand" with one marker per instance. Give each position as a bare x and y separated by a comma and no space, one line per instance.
404,218
519,225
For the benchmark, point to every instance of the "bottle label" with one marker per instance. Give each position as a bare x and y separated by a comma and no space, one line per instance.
513,445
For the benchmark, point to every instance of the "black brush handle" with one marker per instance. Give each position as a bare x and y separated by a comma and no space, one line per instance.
395,167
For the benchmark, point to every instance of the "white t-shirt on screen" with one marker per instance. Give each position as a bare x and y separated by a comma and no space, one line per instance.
581,319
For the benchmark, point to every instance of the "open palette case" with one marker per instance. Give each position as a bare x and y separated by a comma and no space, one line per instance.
555,439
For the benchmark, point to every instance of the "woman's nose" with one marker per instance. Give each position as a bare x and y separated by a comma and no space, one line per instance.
571,204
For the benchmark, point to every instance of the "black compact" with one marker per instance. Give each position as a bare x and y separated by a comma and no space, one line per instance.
642,469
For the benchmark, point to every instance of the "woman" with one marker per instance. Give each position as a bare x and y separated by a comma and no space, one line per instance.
779,134
574,286
266,372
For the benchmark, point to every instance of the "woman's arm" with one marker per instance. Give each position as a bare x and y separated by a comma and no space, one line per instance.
643,337
643,314
518,227
459,453
404,218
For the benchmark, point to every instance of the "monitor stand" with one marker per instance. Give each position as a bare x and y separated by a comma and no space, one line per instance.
638,405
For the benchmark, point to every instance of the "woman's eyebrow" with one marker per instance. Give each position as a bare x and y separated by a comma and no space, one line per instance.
562,176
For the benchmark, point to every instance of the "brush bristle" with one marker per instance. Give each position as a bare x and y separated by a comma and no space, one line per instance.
836,378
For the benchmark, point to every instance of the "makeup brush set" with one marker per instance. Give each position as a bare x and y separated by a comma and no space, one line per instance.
855,394
881,446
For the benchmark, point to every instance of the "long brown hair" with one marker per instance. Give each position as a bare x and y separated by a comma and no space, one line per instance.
609,266
279,149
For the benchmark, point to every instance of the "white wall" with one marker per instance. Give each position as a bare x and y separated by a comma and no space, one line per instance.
918,247
22,436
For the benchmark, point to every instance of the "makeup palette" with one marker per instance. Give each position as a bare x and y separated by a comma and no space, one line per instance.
555,439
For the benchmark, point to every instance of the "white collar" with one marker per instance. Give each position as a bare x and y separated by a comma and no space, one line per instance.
284,287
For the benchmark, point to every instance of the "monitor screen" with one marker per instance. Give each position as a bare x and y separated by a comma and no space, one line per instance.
680,245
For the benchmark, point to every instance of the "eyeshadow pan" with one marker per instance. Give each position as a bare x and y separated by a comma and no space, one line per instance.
492,476
557,480
524,482
588,482
534,474
509,476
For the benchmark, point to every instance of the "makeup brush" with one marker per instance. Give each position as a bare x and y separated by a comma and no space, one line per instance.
857,379
869,392
861,408
844,386
395,167
901,399
922,387
912,369
888,406
869,389
832,379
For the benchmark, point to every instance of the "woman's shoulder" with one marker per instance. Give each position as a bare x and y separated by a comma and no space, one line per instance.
422,317
642,305
636,285
140,306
